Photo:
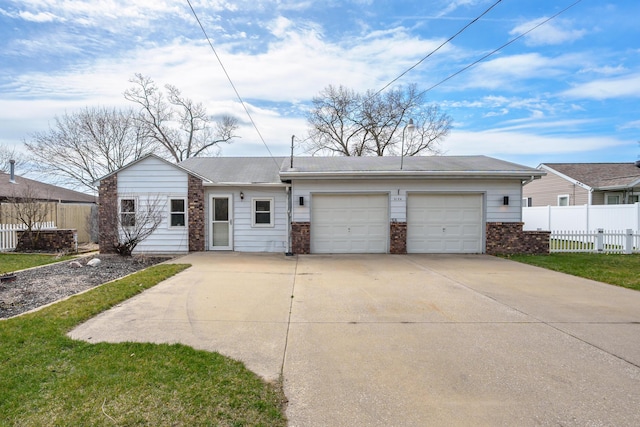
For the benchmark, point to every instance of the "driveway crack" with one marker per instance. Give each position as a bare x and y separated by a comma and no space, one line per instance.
286,338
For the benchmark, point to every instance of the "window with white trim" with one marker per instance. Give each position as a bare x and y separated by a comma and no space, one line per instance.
177,212
262,212
612,199
127,212
563,200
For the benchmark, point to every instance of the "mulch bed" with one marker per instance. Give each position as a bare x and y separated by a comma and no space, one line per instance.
43,285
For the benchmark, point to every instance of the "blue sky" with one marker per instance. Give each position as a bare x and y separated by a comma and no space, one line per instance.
567,92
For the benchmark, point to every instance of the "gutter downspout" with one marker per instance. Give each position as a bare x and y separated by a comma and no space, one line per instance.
289,219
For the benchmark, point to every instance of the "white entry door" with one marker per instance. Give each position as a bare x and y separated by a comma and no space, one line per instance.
221,232
349,223
444,223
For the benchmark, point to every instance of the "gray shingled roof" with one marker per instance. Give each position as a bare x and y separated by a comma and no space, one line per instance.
435,164
600,175
40,190
229,170
255,170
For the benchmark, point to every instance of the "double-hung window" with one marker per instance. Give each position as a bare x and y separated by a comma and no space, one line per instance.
178,212
128,212
262,212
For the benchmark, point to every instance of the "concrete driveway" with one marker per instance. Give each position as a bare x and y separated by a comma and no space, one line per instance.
407,340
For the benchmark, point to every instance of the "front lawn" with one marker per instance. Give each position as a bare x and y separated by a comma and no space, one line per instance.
49,379
10,262
620,270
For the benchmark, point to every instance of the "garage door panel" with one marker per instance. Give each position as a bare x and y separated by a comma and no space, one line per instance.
349,223
442,223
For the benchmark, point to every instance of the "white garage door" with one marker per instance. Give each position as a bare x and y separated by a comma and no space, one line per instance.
444,223
354,223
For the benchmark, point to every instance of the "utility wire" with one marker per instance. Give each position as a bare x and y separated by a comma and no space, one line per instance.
438,48
231,83
500,48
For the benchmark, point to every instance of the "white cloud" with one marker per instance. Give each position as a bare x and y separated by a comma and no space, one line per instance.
39,17
511,143
551,33
623,87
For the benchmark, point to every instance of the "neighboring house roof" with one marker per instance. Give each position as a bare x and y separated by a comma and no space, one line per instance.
599,176
435,166
24,187
236,170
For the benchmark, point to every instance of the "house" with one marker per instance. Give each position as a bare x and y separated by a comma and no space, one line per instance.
573,184
66,208
466,204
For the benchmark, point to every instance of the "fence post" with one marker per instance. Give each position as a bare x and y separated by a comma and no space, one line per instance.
628,242
600,240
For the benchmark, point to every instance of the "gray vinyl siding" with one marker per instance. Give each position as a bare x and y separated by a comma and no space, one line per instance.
545,191
493,192
246,237
154,181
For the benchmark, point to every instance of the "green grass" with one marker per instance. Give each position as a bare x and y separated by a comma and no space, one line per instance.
620,270
46,378
14,262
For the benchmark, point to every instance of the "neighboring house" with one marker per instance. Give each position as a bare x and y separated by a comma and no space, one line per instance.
68,208
573,184
324,205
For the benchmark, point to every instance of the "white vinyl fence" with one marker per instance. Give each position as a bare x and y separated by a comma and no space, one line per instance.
9,235
599,241
582,218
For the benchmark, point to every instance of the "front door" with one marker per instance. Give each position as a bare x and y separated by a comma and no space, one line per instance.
221,234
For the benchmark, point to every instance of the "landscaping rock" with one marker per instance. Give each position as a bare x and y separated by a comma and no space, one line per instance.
75,264
94,262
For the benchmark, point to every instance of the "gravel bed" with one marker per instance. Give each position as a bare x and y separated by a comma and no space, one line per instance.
43,285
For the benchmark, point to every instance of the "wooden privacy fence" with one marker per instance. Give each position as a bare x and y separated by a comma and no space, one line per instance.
9,235
599,241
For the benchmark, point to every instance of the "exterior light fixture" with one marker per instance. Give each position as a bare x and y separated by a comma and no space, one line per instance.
301,201
241,195
409,127
505,200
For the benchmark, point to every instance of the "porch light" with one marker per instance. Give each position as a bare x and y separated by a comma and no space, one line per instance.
505,200
241,195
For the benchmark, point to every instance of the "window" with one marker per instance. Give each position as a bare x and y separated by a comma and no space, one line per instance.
563,200
612,199
127,212
527,202
633,199
177,214
262,212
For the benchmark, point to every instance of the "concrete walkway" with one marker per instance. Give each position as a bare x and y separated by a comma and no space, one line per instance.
415,340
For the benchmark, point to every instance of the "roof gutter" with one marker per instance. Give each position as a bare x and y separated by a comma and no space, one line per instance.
411,174
245,184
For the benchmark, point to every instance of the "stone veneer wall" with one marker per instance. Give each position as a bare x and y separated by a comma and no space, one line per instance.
47,240
507,238
108,214
196,214
398,236
301,237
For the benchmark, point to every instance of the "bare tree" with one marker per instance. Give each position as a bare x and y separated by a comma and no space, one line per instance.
28,208
84,146
10,153
177,123
348,123
137,219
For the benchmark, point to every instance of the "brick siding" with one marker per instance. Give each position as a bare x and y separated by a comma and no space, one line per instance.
301,237
108,214
196,214
398,236
507,238
47,240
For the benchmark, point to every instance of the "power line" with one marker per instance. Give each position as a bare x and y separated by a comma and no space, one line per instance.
231,83
438,48
500,48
